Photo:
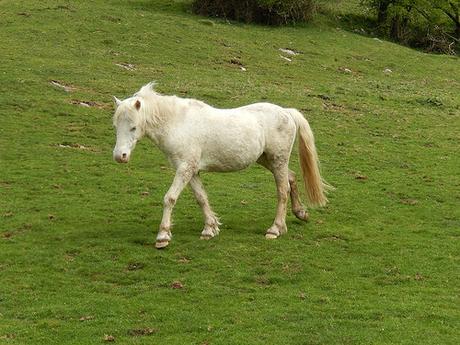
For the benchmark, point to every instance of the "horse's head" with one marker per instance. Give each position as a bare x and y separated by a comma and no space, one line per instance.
129,125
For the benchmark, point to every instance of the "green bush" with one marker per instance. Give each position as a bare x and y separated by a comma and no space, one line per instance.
271,12
432,25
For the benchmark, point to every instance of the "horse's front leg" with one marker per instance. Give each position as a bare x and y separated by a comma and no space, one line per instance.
181,179
211,223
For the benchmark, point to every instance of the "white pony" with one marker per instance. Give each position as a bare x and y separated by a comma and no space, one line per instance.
197,137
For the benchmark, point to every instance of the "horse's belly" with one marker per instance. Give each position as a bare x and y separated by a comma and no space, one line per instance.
231,155
222,164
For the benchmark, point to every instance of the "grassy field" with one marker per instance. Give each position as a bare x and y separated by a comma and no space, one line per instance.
378,265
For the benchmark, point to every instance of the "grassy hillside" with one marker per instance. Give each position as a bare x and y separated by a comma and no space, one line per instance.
378,265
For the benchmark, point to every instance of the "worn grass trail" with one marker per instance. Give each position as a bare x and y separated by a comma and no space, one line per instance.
378,265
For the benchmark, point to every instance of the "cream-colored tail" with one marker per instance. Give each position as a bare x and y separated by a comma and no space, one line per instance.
315,186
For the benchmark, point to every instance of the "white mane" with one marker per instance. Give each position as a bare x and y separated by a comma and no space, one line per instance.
156,108
147,90
147,114
149,110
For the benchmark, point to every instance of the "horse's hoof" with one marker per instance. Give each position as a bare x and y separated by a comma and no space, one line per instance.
302,215
209,232
161,244
270,236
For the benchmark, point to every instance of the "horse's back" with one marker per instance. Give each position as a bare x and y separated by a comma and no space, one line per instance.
232,139
272,117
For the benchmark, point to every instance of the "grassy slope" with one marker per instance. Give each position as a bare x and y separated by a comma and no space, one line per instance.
379,265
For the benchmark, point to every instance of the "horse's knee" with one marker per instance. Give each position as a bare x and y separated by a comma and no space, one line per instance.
169,200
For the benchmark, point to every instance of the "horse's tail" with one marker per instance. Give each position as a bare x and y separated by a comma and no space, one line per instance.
315,187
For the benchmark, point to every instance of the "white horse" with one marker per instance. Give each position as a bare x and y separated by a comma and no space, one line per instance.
197,137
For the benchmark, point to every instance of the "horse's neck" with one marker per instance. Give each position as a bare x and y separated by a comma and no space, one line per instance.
165,110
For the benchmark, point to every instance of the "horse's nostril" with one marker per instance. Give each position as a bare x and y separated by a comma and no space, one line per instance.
124,155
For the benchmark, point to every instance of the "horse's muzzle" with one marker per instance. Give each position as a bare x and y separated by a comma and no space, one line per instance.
121,157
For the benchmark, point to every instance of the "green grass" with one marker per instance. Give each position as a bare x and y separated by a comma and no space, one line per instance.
378,265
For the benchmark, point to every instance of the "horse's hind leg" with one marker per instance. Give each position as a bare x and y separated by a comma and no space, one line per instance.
211,223
281,174
280,171
297,207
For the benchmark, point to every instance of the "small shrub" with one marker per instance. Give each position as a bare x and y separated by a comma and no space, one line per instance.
271,12
430,25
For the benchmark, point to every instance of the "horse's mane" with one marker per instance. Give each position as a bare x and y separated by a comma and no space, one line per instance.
147,90
148,110
154,107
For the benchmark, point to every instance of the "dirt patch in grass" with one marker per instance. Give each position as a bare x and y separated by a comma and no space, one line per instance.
177,285
62,85
109,338
67,145
134,266
12,233
90,104
126,66
139,332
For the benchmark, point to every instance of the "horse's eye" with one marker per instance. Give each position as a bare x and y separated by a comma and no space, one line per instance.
133,129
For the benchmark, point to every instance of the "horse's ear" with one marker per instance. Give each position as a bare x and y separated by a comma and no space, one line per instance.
116,101
137,105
